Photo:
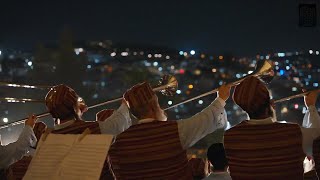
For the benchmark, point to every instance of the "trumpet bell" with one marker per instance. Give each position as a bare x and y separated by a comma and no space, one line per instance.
264,71
171,84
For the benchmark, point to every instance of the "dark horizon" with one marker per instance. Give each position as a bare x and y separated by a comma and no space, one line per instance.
232,27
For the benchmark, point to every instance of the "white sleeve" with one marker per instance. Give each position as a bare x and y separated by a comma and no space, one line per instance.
16,150
311,119
309,135
118,122
213,117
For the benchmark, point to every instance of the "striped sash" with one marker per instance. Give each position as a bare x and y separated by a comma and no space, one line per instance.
149,151
268,151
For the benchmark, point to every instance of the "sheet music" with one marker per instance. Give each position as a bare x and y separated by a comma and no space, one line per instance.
63,156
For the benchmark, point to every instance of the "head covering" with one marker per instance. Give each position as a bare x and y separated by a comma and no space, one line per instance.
104,114
140,97
251,95
61,101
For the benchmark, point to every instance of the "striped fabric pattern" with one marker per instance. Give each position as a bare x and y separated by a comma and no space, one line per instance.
316,154
104,114
18,169
149,151
60,101
251,94
267,151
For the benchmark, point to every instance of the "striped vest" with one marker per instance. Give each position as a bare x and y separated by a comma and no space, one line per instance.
149,151
264,151
316,154
18,169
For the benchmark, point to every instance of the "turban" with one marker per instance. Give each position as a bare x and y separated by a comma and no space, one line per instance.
140,97
104,114
61,101
251,95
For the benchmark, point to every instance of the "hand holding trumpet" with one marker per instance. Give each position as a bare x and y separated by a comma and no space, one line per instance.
32,119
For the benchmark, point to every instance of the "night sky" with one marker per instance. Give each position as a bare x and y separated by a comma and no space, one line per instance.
233,26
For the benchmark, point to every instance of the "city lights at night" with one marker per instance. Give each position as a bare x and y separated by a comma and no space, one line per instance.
69,63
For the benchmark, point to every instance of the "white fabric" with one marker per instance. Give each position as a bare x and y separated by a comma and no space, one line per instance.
219,176
311,118
13,152
308,165
310,129
118,122
192,129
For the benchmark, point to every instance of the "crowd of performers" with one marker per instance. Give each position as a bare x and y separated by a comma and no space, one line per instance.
148,146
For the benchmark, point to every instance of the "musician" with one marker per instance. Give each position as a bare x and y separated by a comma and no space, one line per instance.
16,150
262,148
67,108
156,148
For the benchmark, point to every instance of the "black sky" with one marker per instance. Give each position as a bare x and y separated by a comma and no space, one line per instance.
234,26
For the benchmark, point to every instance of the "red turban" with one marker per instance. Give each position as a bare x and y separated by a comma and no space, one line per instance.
61,101
104,114
251,95
140,97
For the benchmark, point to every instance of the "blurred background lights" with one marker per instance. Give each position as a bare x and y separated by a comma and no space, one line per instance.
200,101
5,120
310,51
284,110
170,102
192,52
124,54
155,64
